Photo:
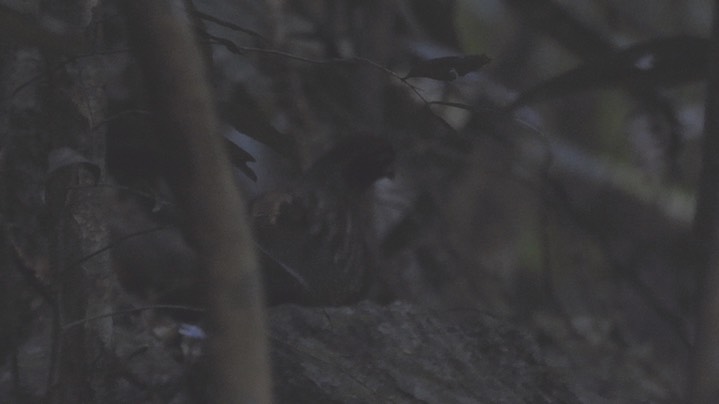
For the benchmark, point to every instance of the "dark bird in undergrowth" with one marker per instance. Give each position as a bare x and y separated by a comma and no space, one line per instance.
313,236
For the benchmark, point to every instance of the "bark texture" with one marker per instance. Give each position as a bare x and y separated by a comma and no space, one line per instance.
404,354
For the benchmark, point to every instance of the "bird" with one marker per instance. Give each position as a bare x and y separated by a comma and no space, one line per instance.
312,237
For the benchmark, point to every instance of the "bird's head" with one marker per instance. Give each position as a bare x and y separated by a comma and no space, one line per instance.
357,162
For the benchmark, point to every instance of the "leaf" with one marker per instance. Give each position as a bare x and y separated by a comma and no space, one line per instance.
243,112
448,68
658,62
239,158
65,157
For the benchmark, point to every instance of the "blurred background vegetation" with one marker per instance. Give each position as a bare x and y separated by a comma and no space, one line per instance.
555,185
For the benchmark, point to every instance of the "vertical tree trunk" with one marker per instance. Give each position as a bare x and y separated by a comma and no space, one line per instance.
75,106
198,171
704,375
22,172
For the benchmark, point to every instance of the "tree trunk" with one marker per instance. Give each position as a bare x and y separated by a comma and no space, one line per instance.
704,375
198,171
75,108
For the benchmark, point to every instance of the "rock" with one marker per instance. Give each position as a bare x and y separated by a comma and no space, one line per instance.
404,354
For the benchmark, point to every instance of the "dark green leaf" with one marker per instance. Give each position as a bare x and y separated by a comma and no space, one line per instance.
658,62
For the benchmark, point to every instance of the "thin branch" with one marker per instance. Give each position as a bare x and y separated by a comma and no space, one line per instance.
132,311
229,25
